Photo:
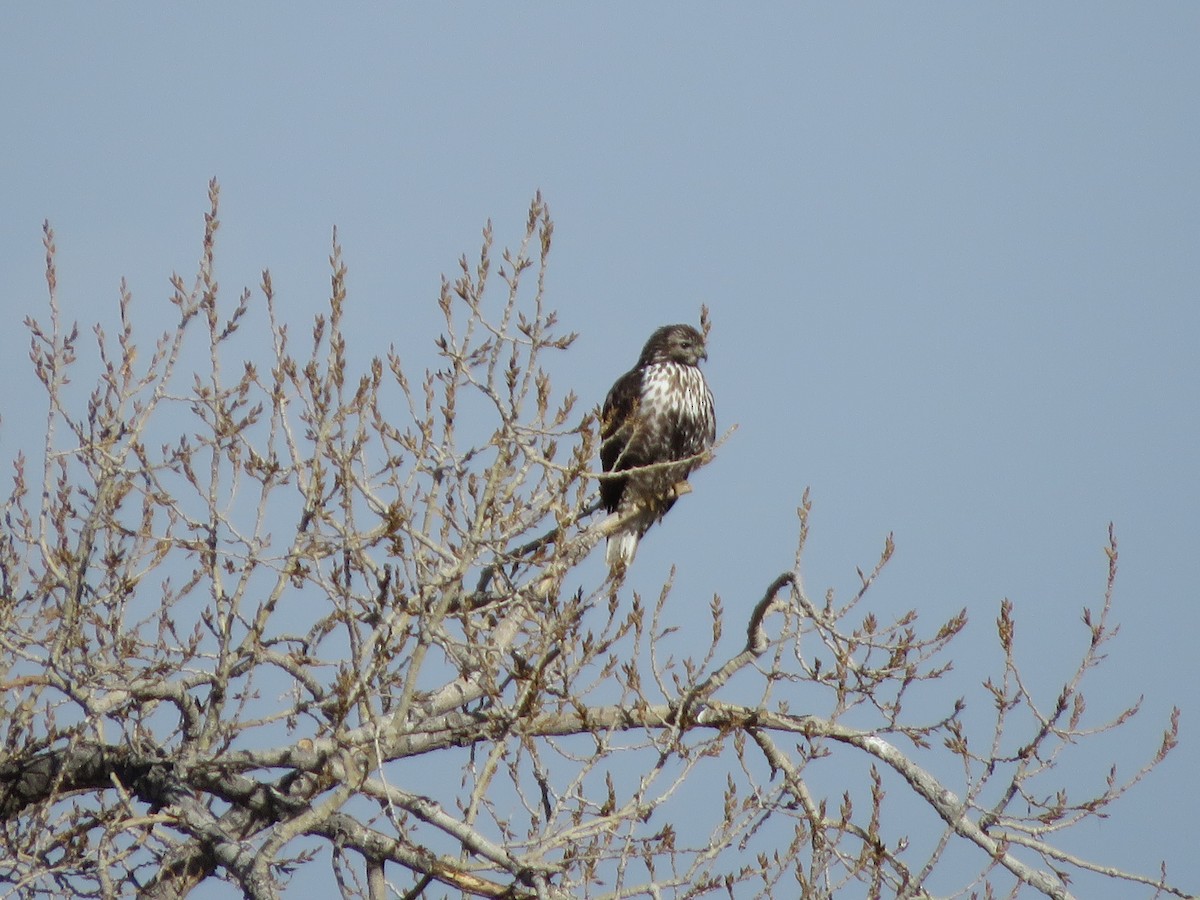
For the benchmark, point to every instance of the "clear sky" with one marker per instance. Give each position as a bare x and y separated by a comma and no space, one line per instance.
952,253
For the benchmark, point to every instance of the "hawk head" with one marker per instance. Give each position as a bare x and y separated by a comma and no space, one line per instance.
674,343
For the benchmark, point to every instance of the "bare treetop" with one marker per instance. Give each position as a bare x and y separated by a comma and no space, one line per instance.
288,618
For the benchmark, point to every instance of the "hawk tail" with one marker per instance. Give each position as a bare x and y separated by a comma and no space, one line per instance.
621,549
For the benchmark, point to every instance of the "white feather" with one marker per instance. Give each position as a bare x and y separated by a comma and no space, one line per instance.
620,550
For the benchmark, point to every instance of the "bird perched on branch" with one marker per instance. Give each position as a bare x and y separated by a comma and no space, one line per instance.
656,423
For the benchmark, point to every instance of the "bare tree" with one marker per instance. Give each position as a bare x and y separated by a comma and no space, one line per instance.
262,616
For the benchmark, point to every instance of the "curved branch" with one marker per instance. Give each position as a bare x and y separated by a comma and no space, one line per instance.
727,716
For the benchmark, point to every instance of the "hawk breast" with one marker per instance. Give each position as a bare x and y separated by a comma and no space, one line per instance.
677,409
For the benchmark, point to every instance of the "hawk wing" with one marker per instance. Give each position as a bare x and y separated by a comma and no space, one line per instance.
618,421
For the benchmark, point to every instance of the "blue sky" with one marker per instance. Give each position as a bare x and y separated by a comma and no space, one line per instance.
952,253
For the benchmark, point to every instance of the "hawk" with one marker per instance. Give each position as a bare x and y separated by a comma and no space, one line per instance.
658,413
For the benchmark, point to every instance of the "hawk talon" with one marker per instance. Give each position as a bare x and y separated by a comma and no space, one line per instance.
679,488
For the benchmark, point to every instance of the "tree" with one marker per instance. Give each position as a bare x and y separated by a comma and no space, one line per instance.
251,620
